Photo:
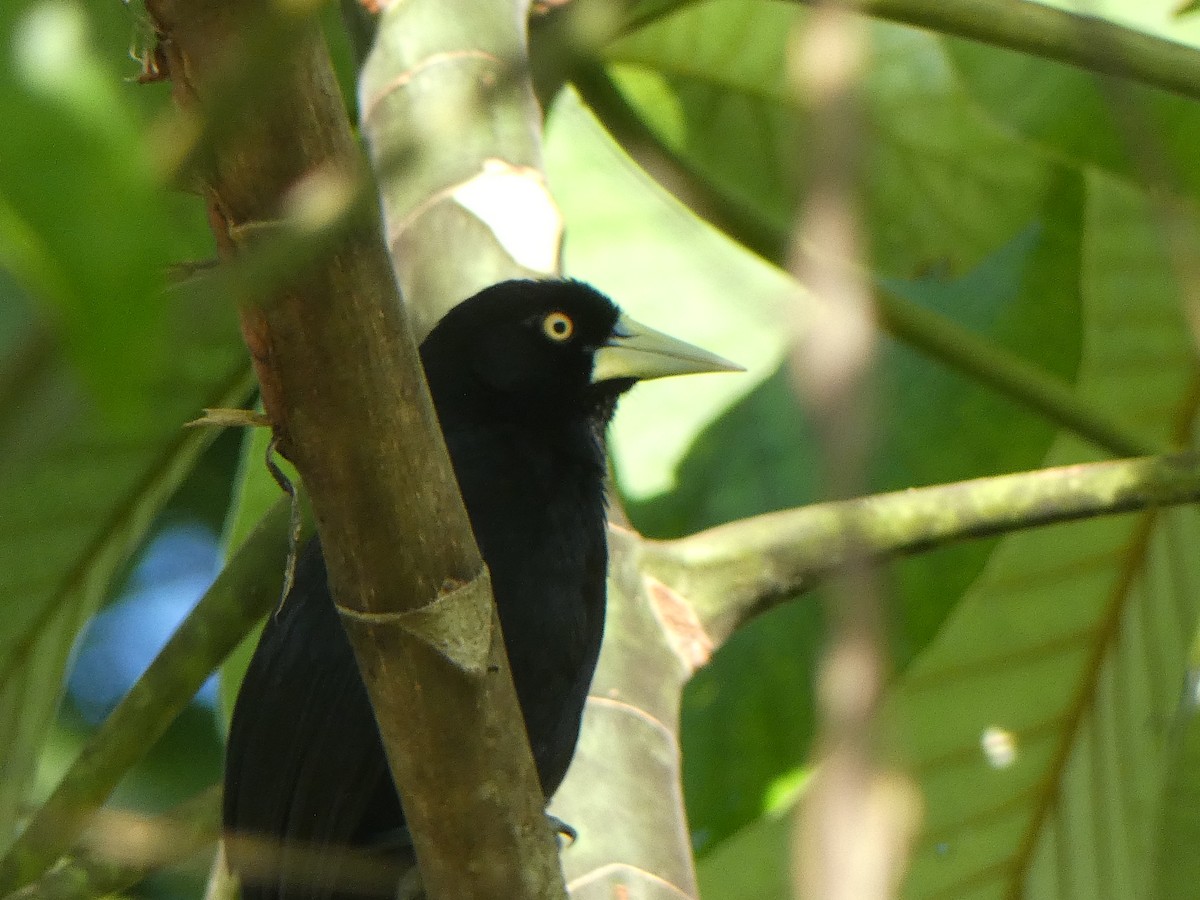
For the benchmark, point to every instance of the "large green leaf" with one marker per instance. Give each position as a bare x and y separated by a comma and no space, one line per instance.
1042,723
1137,133
710,83
1176,867
100,365
752,864
1074,641
81,495
85,222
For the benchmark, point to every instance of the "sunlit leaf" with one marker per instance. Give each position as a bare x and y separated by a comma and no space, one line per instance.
79,493
710,82
85,221
1073,642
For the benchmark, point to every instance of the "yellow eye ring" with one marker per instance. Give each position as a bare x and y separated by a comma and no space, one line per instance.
558,327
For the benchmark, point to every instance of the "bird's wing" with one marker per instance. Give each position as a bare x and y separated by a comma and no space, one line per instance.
306,778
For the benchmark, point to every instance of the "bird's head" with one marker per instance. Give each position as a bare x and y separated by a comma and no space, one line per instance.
540,349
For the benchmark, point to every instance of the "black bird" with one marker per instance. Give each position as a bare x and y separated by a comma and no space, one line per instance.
525,376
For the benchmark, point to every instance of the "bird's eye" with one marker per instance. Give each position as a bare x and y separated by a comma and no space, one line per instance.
558,326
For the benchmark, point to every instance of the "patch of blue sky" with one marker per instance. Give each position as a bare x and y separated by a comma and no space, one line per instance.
173,573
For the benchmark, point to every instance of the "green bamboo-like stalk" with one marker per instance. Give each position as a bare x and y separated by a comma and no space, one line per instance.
454,133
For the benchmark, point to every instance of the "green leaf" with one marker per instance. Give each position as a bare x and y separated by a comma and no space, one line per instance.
710,82
1177,867
1130,131
752,864
1071,645
80,492
100,365
90,236
255,493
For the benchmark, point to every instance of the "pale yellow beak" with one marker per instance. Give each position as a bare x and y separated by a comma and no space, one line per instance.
638,351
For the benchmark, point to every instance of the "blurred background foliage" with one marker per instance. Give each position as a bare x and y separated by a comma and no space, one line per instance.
998,190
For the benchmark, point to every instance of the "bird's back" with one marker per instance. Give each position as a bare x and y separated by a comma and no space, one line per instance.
304,759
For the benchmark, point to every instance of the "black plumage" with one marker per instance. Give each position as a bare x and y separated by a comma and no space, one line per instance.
524,376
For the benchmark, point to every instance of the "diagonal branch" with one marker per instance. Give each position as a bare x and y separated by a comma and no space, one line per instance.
122,848
343,387
1077,39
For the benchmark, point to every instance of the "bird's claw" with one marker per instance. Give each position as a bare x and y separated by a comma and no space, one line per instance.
562,830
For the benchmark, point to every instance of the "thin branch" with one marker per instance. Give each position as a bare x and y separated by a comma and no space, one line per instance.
991,365
850,838
734,572
242,594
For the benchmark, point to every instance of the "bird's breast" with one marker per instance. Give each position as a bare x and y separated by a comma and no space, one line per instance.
536,504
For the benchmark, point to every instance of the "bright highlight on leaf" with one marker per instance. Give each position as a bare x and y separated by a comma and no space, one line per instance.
514,203
49,42
999,747
55,56
319,200
785,790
